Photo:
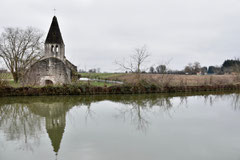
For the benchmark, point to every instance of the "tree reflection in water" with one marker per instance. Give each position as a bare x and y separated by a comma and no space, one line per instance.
19,123
234,98
235,101
23,118
89,113
139,108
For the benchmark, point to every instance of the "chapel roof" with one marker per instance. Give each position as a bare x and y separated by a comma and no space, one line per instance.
54,33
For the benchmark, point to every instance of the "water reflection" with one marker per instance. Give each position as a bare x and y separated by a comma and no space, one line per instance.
54,113
234,98
24,119
138,107
19,123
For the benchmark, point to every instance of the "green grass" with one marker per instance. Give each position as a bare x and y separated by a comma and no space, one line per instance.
100,75
13,84
92,83
7,75
9,79
95,83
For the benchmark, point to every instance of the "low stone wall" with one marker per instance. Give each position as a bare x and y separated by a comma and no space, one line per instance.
121,89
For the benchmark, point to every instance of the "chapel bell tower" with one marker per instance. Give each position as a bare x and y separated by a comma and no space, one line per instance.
54,45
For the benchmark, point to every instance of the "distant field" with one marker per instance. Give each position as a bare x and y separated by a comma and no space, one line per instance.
157,79
167,79
179,80
101,75
98,84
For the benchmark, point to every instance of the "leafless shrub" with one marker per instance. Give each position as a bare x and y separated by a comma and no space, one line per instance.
183,82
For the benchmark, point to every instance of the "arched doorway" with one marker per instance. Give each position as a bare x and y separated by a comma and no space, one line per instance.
48,82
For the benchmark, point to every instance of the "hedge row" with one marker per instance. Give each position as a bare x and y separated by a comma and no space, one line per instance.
121,89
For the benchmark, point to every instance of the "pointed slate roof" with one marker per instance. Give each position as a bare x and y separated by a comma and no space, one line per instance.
54,34
55,135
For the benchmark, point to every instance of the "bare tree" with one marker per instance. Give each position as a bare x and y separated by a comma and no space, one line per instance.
136,61
193,68
151,69
188,69
196,67
163,78
161,69
19,48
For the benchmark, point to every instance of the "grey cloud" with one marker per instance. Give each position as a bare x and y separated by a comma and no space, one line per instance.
96,32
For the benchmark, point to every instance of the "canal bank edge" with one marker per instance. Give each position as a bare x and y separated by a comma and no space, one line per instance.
118,89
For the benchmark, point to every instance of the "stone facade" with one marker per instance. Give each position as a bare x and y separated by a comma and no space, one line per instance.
47,71
53,68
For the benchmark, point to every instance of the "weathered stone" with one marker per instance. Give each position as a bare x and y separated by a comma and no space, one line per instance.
53,68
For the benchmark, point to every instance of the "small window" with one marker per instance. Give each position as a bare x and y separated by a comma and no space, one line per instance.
52,48
57,49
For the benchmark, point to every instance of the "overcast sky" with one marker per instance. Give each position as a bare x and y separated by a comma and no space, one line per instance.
96,32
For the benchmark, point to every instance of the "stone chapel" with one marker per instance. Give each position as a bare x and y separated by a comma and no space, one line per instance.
53,67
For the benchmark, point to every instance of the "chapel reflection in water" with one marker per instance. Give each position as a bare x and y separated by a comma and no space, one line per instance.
24,118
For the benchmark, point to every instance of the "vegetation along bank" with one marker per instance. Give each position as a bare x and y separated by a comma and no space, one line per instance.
117,89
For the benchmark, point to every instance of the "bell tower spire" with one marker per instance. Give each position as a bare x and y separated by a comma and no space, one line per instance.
54,45
54,11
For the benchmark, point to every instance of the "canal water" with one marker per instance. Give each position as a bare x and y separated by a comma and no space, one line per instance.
121,127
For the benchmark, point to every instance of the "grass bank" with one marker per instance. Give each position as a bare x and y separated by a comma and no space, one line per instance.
145,83
11,83
118,89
